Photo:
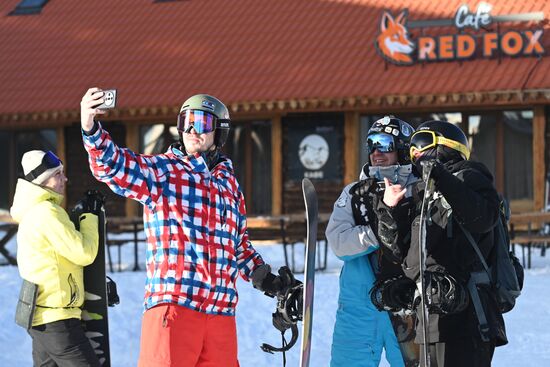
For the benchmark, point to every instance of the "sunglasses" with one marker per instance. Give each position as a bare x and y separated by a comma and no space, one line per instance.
201,121
384,143
49,161
425,139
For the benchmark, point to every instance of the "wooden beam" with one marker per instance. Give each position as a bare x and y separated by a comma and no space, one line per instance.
499,153
352,143
132,136
60,137
12,167
539,168
132,143
276,165
249,178
61,153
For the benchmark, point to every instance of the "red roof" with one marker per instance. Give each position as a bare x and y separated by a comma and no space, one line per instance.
157,54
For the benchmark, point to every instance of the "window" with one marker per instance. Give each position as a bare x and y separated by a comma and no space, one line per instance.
503,141
155,139
29,7
249,147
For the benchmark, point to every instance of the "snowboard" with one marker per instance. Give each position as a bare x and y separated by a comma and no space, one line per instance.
310,201
94,310
422,255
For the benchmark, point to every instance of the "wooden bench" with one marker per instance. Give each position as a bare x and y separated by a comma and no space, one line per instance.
530,230
289,230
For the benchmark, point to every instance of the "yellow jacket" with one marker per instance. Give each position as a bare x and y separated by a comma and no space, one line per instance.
51,252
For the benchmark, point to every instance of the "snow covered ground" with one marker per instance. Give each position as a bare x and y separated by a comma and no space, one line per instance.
528,324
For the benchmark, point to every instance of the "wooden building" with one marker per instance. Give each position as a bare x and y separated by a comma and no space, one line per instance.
303,80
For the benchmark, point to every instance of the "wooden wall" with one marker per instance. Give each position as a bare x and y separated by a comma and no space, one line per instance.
547,152
539,164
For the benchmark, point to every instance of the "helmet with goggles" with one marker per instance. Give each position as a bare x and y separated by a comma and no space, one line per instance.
441,135
390,134
204,114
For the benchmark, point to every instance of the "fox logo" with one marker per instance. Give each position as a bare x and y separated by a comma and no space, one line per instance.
393,42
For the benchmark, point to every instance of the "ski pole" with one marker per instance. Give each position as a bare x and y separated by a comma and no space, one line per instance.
427,167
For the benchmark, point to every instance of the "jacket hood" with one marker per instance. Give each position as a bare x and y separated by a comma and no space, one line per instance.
222,169
28,195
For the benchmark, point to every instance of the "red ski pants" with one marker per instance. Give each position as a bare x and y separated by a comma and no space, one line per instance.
175,336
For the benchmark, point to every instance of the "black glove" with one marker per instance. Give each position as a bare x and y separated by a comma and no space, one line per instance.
428,157
393,294
95,201
273,285
90,203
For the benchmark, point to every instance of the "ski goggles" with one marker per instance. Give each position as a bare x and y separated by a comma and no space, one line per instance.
49,161
423,140
201,121
384,143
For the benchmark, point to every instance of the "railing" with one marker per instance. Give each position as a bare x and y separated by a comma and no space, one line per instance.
288,230
121,231
530,230
9,229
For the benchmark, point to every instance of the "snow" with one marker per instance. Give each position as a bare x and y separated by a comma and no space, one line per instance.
527,325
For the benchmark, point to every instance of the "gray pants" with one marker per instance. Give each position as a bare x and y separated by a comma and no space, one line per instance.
62,344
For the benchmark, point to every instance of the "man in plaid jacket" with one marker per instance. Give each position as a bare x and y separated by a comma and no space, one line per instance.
197,239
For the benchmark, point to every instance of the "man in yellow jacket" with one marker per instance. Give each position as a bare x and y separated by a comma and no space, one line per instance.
52,253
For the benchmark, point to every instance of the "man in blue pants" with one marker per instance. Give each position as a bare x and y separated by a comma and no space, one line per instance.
361,331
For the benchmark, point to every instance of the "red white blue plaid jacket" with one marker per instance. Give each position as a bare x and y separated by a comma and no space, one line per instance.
194,219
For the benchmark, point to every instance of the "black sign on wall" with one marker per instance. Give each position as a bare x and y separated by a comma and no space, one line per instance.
314,146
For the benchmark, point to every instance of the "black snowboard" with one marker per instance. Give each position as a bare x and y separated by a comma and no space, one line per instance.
94,310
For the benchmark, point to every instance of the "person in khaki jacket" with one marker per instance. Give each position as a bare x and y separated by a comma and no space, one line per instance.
52,253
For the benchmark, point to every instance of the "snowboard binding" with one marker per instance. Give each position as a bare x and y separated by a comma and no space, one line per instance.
393,294
288,312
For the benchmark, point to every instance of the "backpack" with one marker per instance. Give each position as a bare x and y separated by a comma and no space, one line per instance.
503,267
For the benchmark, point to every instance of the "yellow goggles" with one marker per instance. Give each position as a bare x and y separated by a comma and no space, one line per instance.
425,139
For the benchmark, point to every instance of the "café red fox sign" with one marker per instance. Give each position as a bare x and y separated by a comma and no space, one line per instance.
396,45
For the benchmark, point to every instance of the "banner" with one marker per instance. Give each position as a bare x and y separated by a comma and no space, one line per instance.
314,146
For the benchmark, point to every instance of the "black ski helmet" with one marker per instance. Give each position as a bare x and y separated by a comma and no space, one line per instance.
401,132
207,103
448,138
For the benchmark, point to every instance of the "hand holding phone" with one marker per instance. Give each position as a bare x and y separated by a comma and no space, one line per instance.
109,99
